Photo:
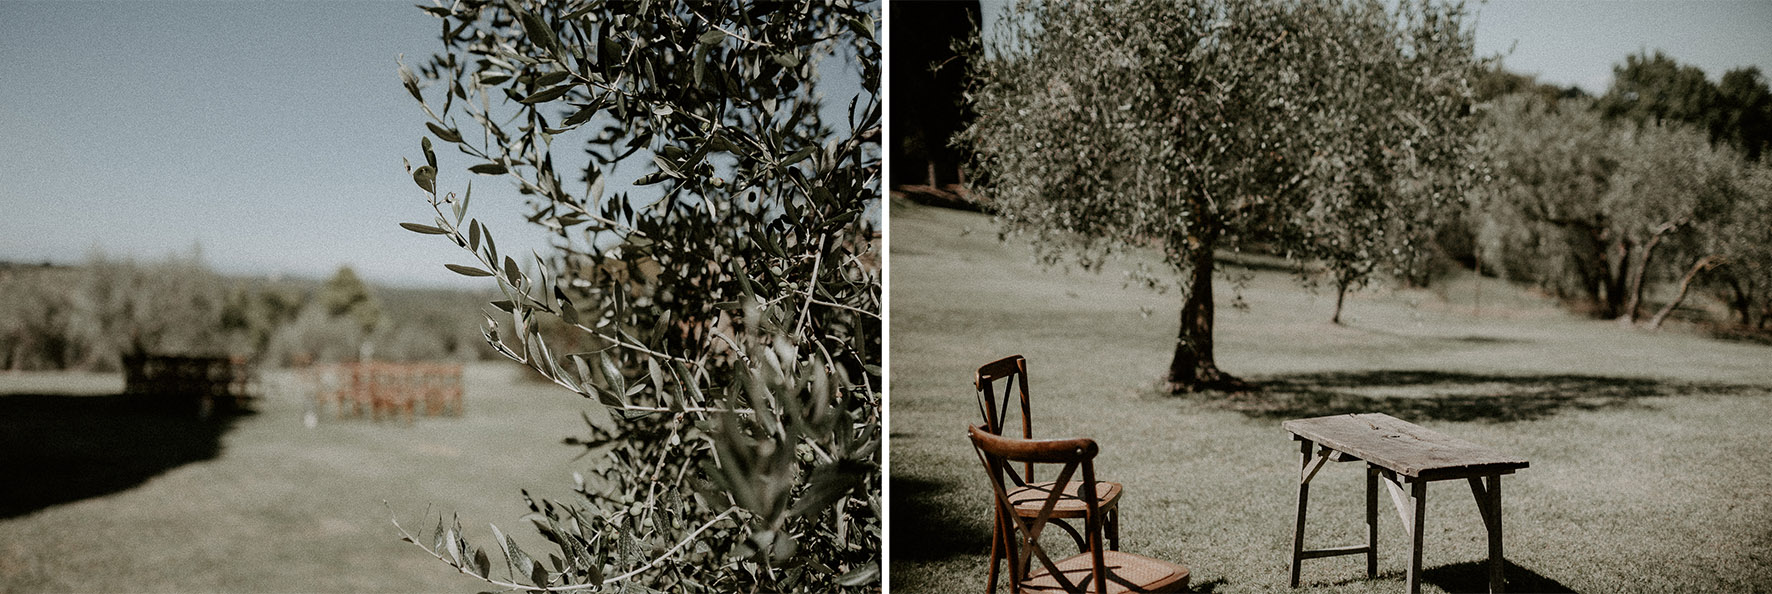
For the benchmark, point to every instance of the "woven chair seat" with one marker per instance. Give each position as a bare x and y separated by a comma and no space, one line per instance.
1144,574
1029,499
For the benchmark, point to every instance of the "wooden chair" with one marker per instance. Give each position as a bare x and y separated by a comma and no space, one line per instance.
1094,570
1027,495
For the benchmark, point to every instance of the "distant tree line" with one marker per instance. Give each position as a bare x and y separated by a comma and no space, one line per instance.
1658,182
84,317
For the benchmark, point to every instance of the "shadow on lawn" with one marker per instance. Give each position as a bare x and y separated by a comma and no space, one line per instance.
1473,576
60,448
923,530
1453,396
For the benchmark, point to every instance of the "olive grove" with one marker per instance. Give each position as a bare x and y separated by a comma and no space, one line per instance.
1598,201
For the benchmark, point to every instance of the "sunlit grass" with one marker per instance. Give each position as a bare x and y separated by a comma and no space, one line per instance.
1649,466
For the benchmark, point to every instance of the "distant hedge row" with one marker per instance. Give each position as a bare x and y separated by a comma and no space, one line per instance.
83,317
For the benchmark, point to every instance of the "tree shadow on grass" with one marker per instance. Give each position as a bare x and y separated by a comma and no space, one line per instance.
923,530
1455,396
57,448
1470,577
1473,576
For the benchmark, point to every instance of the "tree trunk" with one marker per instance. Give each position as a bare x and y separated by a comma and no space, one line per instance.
1634,298
1742,302
1614,279
1703,264
1477,299
1340,296
1193,369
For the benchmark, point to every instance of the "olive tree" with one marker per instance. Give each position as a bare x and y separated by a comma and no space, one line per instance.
1317,129
1743,241
1554,164
1395,154
1727,235
725,308
1585,208
1671,183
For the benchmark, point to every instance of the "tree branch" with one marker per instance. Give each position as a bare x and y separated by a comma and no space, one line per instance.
408,537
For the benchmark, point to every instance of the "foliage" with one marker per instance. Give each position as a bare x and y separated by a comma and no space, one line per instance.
1671,184
82,317
1657,89
1584,205
346,295
1395,149
258,313
727,315
1207,125
1584,208
1553,163
1744,115
1495,82
171,306
34,319
1744,239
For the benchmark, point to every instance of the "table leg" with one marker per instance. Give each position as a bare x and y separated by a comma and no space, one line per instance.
1371,521
1497,582
1488,492
1418,517
1305,448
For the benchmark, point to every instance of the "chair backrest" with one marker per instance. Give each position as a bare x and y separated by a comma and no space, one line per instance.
997,383
998,453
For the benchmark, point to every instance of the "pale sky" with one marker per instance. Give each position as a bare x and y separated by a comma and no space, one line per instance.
1578,43
271,133
1569,42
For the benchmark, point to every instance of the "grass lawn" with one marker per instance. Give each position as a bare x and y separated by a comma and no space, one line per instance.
99,501
1650,466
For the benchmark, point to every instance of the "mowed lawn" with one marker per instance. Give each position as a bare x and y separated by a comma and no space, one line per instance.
1651,469
148,503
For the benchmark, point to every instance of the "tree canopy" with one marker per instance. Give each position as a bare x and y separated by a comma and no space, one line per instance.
1657,89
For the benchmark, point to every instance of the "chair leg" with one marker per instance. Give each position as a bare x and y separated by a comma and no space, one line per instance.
1112,524
990,584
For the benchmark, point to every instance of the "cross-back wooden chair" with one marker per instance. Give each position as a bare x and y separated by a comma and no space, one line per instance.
1093,570
1000,384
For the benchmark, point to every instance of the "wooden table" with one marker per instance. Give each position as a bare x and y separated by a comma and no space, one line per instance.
1407,457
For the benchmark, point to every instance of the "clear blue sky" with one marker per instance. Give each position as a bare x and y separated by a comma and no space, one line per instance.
271,133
